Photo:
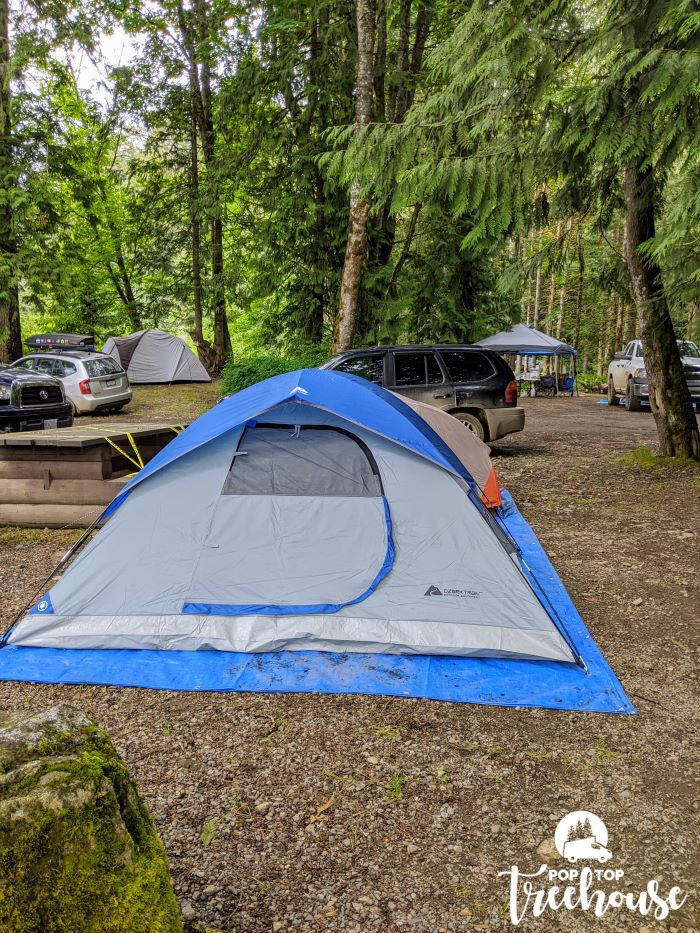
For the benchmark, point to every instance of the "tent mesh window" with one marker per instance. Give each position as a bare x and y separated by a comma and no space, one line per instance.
296,460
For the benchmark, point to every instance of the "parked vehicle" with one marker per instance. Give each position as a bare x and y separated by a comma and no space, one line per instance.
475,385
93,382
627,375
32,402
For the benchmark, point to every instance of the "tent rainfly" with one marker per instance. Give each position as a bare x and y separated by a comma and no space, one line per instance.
153,356
318,523
522,340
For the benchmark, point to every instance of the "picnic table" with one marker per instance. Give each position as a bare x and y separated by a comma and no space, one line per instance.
64,477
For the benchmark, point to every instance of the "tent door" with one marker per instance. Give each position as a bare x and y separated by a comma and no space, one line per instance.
301,526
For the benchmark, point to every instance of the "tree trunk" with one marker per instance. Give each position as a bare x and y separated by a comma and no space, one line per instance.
405,250
10,334
205,351
132,308
579,289
202,54
380,63
619,321
693,324
402,59
359,205
668,391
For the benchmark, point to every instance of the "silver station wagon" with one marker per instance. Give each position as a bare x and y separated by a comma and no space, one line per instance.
93,382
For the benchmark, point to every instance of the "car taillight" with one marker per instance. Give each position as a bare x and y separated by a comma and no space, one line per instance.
84,386
512,393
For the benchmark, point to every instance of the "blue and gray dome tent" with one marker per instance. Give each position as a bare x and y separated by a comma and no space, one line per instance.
312,524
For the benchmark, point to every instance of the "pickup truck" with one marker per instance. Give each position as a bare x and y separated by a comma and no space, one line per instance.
627,376
32,402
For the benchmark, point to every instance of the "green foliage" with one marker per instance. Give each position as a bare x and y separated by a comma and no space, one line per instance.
590,382
483,165
396,786
245,371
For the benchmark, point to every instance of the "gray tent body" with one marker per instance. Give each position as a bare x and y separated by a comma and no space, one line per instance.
299,531
526,341
152,356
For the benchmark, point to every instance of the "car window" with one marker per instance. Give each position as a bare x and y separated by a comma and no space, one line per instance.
467,366
65,368
409,369
435,377
105,366
370,367
688,348
48,367
628,349
27,363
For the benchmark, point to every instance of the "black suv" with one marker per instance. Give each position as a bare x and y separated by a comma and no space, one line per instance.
476,386
31,402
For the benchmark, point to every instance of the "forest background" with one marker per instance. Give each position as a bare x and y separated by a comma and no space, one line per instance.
279,180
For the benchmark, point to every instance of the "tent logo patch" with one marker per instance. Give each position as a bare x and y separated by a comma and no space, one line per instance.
451,591
581,836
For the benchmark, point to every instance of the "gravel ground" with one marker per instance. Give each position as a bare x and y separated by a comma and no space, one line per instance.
305,812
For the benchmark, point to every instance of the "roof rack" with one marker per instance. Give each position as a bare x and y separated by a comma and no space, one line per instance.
61,342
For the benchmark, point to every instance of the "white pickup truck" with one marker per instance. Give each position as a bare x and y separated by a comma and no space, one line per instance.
627,376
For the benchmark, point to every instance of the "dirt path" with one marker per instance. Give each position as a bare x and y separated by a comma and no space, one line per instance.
426,802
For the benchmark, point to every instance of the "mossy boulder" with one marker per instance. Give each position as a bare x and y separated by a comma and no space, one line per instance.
78,848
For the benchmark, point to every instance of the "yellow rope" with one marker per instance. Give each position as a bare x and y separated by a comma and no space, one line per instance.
137,459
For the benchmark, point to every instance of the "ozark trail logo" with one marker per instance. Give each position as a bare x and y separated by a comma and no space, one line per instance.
451,591
581,836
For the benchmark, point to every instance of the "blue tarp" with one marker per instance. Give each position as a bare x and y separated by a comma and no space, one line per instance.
497,682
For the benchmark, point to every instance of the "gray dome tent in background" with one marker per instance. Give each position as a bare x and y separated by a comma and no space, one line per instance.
156,356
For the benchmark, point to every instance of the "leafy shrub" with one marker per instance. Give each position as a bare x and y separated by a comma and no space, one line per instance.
589,382
245,370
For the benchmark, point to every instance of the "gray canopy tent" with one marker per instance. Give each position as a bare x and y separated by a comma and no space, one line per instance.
522,340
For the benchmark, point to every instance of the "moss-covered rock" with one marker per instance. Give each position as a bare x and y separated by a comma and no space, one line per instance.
78,848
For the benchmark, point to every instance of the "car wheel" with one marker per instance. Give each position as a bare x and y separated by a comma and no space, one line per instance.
73,408
613,397
471,423
632,401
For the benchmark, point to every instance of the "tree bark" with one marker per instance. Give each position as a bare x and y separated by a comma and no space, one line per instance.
359,205
693,322
619,320
406,249
380,63
668,390
579,288
205,351
10,334
200,52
